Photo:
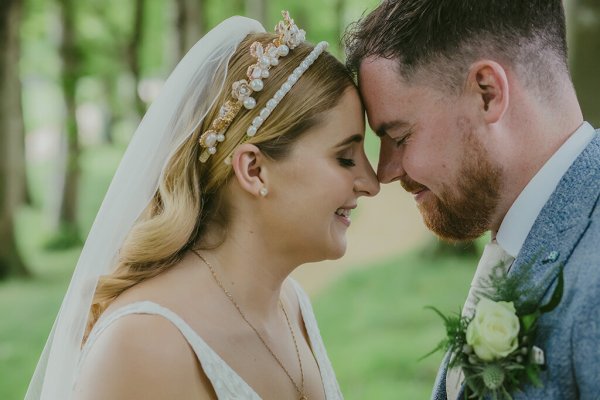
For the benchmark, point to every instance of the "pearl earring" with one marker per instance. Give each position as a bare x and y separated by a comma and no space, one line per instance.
263,191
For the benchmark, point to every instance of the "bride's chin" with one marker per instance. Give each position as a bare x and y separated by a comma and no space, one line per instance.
339,250
331,247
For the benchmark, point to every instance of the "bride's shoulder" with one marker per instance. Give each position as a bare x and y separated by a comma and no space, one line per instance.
138,335
293,294
139,356
289,292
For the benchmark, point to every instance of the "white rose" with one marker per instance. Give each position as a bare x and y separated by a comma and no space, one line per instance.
241,90
493,332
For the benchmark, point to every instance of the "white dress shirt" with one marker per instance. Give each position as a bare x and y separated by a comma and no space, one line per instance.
522,214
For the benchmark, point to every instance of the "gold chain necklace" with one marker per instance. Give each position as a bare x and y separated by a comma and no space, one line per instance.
300,388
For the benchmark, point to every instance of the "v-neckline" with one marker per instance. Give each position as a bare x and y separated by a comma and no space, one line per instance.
311,343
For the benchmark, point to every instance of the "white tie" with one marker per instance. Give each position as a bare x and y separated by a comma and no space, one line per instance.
493,255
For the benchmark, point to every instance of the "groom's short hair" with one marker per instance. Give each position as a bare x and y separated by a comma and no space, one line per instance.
444,37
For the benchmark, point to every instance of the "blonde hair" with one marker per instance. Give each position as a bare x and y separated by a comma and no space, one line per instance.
189,196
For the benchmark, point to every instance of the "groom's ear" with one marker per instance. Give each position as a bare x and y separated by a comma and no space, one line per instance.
487,80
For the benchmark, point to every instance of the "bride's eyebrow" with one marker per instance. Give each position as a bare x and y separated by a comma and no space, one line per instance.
357,138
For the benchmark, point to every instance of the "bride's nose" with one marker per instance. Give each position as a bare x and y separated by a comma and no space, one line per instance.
366,183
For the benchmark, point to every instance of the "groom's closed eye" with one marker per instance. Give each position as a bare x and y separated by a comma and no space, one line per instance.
401,140
388,128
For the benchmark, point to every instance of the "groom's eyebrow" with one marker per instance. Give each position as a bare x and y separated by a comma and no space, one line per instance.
384,128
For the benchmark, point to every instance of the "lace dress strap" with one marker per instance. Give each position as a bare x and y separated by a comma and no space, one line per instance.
226,382
330,383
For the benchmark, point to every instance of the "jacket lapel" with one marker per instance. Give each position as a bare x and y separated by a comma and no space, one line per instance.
439,388
561,223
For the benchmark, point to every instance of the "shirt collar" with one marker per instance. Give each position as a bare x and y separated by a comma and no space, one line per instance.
522,214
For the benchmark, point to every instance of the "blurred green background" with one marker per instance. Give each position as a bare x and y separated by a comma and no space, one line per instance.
75,78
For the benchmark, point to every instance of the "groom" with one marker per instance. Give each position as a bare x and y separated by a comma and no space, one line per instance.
478,119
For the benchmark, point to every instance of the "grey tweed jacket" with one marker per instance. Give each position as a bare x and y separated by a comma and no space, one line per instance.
567,231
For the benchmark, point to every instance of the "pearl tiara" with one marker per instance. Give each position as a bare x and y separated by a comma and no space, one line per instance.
290,36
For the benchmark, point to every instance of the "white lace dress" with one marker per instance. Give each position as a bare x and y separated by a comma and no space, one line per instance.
227,384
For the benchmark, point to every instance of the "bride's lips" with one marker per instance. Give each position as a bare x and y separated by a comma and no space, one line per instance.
343,214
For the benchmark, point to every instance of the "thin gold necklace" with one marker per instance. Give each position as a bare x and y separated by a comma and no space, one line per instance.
299,388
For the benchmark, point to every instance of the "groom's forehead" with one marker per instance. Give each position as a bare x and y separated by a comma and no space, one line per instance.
375,77
379,80
382,89
375,66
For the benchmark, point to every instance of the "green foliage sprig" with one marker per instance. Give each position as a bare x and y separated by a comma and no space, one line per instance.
499,375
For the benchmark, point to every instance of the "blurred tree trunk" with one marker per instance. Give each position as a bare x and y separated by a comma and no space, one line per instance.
11,45
257,9
239,7
584,16
302,18
12,148
69,78
191,23
133,55
340,24
114,113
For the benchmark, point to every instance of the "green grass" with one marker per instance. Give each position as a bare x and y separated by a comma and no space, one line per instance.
28,306
376,329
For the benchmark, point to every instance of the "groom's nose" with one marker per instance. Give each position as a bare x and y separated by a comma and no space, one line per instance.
389,168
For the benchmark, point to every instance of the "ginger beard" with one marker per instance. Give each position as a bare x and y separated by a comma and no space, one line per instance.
462,210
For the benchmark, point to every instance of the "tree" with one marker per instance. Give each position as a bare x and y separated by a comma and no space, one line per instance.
340,9
106,56
584,37
12,149
257,9
191,23
70,75
133,58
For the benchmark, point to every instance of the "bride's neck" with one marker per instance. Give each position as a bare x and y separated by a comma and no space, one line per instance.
251,271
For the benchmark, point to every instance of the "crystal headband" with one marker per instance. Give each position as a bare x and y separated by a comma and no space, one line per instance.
285,88
290,36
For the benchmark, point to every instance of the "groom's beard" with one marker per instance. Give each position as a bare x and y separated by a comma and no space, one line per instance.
463,210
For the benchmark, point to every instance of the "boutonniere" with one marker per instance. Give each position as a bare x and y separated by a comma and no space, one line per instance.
494,347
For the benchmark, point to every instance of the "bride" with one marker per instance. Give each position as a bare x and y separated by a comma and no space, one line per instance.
246,166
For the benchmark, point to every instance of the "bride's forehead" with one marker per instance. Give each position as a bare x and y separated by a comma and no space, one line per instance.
325,138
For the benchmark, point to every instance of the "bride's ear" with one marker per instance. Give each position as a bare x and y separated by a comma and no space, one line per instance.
248,164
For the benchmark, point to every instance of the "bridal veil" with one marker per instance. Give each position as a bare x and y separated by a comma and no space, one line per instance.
186,97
